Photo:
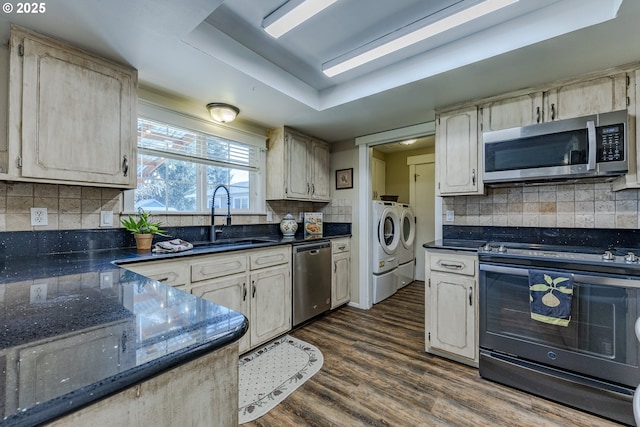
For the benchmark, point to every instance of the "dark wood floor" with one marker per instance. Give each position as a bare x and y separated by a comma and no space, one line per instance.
376,373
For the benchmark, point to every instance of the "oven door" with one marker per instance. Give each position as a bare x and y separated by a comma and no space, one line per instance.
599,341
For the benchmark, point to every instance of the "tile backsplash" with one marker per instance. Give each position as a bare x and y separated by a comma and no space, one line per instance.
588,205
77,207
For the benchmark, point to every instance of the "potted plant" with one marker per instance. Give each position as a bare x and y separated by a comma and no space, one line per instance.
143,229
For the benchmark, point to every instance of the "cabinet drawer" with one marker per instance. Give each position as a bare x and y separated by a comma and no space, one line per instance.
340,245
269,257
170,273
459,264
218,266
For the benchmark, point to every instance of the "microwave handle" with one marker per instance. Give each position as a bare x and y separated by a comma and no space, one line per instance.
591,134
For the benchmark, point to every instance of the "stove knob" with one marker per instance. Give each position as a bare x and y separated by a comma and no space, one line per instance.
631,257
608,256
502,249
486,247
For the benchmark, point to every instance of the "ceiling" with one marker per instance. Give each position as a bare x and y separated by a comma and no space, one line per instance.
216,51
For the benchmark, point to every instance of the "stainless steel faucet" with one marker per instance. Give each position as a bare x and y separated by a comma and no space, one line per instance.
213,230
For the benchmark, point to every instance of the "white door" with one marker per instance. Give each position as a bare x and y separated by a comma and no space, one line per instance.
423,197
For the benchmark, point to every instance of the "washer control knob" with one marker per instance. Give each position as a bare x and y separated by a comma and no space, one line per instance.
608,256
631,257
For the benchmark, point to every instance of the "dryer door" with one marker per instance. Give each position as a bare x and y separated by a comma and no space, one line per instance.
408,226
389,231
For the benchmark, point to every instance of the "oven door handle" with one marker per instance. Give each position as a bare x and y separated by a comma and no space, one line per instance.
577,278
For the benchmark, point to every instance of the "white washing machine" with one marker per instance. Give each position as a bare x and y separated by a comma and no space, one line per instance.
405,272
386,242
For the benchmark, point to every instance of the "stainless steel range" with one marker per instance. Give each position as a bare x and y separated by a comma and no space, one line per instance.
581,351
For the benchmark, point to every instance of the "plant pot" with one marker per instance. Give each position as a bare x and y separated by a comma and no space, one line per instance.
143,242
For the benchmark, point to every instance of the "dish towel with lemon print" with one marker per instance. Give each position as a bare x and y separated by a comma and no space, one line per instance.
550,295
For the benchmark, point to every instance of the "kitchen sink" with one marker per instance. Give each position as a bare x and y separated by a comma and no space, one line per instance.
235,242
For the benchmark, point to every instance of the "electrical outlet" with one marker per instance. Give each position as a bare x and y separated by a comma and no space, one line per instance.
39,216
106,218
106,280
38,293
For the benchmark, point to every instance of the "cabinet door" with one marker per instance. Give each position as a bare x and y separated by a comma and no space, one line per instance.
512,112
320,158
78,117
270,303
451,314
298,185
599,95
231,292
341,279
457,153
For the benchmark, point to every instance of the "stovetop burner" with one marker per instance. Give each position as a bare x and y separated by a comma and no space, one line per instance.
619,260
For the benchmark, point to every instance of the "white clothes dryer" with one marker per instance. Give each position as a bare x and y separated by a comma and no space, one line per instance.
386,236
386,242
405,272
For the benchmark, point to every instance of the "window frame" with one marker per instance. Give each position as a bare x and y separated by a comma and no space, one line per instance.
257,179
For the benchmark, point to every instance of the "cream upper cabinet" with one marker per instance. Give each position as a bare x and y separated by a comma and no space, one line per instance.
512,112
298,167
585,97
457,165
72,115
451,316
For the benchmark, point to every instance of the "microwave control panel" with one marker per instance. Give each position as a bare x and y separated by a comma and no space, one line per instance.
610,143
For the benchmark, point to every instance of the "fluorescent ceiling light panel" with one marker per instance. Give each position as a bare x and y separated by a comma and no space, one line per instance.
348,62
291,14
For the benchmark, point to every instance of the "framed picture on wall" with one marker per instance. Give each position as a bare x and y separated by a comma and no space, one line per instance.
344,179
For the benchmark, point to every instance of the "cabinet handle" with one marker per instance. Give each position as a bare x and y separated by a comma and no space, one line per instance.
163,279
473,177
553,111
313,189
244,291
254,289
452,266
308,188
342,247
470,296
537,114
125,165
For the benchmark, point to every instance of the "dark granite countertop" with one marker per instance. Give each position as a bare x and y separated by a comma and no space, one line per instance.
77,327
455,244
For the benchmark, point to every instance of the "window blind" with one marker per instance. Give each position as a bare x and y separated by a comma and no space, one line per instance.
186,144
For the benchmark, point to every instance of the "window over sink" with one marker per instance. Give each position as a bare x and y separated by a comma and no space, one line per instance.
180,162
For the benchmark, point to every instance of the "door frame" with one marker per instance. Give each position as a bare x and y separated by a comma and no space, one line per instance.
365,248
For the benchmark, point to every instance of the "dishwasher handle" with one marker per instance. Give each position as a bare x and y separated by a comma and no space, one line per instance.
313,248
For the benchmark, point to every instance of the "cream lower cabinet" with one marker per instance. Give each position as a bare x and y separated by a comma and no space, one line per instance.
341,272
451,305
256,283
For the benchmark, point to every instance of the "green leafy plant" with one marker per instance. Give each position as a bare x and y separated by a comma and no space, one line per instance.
143,225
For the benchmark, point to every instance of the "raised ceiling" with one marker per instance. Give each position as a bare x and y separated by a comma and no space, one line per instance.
215,51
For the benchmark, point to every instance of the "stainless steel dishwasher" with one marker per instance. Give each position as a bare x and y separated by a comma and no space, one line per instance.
311,280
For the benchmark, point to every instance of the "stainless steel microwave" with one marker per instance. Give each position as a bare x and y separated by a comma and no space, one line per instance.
590,146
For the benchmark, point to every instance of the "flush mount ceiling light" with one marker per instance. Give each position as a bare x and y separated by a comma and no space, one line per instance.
222,113
414,33
408,142
291,14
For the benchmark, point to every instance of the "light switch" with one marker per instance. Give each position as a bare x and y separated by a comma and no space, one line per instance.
449,216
